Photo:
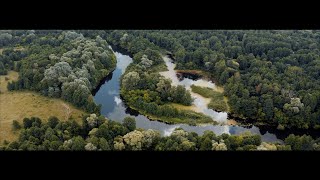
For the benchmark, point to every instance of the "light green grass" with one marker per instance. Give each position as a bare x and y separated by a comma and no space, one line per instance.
217,102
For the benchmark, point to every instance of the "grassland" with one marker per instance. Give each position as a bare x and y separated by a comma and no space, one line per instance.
191,117
183,107
17,105
218,101
5,79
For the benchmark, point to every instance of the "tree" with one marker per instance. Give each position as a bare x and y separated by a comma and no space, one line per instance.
134,140
92,120
104,145
78,144
54,74
5,39
187,146
16,125
71,35
27,123
299,143
206,144
50,135
151,138
219,146
145,62
233,142
118,143
267,147
129,123
3,70
54,145
36,122
13,146
53,121
90,147
131,80
268,108
164,87
252,140
181,95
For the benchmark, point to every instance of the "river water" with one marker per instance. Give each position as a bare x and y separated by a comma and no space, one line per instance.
200,103
113,107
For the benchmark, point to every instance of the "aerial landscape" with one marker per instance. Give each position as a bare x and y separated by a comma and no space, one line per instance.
159,90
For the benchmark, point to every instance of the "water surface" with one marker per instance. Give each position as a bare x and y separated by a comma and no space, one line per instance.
113,107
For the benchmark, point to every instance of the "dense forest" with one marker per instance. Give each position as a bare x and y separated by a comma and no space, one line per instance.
271,76
57,64
97,134
145,90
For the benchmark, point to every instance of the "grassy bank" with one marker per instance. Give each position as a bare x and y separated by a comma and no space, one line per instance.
191,117
217,102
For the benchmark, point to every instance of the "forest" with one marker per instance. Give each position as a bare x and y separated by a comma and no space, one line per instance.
269,76
59,64
96,133
145,90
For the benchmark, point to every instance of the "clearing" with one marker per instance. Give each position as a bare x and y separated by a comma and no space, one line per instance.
5,79
17,105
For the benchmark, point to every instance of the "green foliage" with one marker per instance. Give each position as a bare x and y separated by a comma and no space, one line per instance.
60,64
16,125
27,123
299,142
145,90
110,135
206,144
260,70
129,123
53,121
78,144
217,100
203,91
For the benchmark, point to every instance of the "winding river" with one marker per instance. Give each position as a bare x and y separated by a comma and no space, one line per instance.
113,107
200,103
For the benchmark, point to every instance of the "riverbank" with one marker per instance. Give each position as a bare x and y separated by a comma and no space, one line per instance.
188,118
235,124
217,100
197,74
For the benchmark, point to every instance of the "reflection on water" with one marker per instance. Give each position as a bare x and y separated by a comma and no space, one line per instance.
200,103
108,95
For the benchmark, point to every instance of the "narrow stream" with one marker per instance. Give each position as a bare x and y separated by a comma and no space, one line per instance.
108,95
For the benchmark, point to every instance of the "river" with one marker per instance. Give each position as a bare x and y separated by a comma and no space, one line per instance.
113,107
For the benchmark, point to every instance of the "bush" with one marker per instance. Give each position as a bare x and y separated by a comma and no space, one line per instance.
129,123
5,142
16,125
53,121
280,127
27,123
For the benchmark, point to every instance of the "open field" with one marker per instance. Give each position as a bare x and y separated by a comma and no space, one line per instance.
17,105
12,76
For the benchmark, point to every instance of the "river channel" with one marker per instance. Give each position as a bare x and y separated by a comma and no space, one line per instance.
113,107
